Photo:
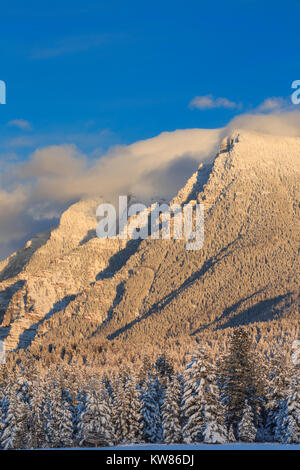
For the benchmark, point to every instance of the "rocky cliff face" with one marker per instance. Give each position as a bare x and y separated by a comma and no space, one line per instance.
135,291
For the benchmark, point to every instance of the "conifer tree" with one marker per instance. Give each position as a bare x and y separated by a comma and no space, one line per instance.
119,414
132,403
115,399
152,400
127,415
172,412
192,405
16,423
79,404
37,421
53,415
278,382
239,379
65,426
164,368
288,427
203,414
214,431
231,436
246,429
260,397
96,420
3,409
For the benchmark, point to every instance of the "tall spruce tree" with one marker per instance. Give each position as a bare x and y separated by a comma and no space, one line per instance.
278,383
152,401
37,421
288,426
3,410
231,436
192,401
164,368
127,413
79,405
53,413
246,429
203,414
66,426
15,434
96,420
172,411
240,379
215,431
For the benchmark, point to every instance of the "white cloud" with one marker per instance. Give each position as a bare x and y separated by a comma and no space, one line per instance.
21,124
275,103
209,102
63,173
285,123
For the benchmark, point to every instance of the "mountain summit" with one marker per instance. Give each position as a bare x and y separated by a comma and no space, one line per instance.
67,294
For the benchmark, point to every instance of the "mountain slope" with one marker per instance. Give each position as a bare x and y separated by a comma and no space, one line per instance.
74,292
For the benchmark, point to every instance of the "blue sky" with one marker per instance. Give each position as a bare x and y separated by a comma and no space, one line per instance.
98,73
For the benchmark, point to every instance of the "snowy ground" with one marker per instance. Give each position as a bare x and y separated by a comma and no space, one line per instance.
236,446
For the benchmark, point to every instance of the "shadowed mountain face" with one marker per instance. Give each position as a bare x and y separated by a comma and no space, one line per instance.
69,288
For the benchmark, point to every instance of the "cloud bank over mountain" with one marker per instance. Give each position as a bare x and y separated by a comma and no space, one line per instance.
34,193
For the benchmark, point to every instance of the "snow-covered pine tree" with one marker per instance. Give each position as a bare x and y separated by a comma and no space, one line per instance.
127,415
37,421
118,413
65,426
239,380
172,411
203,414
288,429
152,400
115,398
7,386
96,420
260,398
246,429
164,368
2,417
278,382
145,369
215,431
3,409
53,413
16,423
231,436
78,407
133,404
192,405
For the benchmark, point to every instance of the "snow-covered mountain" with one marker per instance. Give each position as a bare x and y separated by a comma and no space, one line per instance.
66,289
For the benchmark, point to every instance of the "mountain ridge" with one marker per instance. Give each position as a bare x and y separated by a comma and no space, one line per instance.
113,290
